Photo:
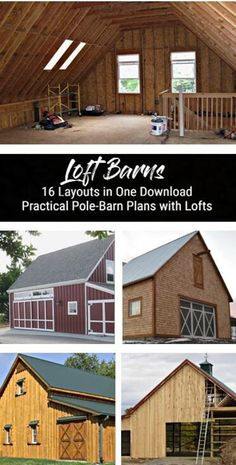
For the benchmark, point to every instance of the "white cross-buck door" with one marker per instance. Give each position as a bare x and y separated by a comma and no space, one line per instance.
101,317
197,320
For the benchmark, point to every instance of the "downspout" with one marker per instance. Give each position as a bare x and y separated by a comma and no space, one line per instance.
101,427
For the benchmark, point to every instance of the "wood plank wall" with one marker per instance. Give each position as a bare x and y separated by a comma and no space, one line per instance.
181,399
34,405
154,45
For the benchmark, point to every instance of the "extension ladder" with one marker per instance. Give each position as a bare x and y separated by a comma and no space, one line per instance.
204,426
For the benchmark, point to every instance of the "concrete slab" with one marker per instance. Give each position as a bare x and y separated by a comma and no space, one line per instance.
14,336
108,129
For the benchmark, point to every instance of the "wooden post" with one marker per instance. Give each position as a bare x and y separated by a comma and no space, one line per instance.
181,114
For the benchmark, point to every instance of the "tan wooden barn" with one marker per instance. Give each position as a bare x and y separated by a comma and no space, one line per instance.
121,55
51,411
166,422
176,290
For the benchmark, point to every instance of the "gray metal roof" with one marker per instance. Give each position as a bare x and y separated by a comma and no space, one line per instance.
72,263
148,264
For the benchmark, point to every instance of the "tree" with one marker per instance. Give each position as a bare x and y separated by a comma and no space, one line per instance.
11,242
91,362
99,234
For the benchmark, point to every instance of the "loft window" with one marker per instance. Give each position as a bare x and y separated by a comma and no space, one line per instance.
33,425
135,307
8,439
20,387
128,74
183,72
198,271
73,308
73,55
59,53
110,271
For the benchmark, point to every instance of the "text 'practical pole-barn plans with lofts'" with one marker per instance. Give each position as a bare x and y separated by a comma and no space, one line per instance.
176,290
120,60
51,411
171,419
69,291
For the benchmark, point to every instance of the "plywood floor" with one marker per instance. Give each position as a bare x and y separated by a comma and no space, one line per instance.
108,129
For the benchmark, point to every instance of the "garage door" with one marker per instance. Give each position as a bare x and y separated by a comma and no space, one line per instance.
34,314
72,441
101,317
198,320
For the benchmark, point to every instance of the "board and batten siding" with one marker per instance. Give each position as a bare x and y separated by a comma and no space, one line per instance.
180,399
154,45
99,274
64,322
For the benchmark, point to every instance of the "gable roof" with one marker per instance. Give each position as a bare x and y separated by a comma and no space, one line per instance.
65,265
60,377
145,266
214,380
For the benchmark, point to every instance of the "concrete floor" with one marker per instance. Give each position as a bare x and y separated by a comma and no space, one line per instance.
14,336
106,129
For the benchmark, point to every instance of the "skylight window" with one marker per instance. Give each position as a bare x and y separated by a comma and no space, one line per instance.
59,53
73,55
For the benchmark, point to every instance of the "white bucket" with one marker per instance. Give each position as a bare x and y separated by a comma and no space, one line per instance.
159,125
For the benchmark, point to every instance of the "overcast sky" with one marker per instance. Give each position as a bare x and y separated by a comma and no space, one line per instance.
142,372
6,360
48,241
222,245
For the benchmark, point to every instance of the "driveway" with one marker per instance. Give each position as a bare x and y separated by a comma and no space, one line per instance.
14,336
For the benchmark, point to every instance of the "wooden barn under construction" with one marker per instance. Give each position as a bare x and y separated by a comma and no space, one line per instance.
50,411
189,413
122,61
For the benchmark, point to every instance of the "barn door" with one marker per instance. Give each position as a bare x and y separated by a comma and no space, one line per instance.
72,441
101,318
198,320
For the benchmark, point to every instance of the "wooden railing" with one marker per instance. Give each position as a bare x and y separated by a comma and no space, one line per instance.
202,111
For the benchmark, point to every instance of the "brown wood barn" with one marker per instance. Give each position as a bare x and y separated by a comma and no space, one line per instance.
70,291
176,290
51,411
121,55
167,421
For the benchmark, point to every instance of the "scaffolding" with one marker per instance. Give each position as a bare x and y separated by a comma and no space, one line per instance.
64,100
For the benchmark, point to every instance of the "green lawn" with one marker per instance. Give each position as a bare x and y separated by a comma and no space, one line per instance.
12,461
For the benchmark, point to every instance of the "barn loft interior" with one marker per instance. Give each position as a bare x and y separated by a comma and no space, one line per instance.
117,72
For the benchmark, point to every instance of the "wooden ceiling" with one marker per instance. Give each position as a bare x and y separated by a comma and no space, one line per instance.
31,32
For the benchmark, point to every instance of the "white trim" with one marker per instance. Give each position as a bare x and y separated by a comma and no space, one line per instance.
85,310
103,321
100,288
32,288
31,319
68,310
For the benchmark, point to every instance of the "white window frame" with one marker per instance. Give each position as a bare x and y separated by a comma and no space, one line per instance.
36,294
112,264
68,307
187,61
131,303
118,74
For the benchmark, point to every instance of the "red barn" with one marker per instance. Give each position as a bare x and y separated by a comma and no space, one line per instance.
70,291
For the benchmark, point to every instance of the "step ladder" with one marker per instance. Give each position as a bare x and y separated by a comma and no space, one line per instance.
204,426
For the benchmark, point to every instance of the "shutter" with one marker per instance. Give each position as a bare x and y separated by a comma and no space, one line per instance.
198,271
